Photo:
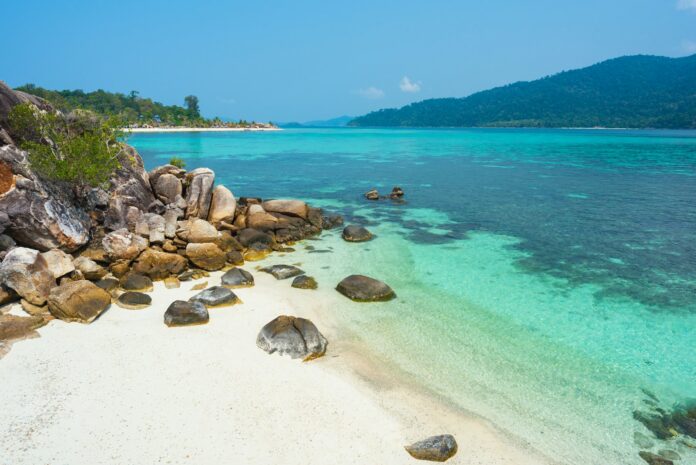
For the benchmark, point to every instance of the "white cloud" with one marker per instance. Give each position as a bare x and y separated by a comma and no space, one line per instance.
686,5
406,85
689,47
371,92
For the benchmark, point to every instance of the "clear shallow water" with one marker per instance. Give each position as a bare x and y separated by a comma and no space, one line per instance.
545,278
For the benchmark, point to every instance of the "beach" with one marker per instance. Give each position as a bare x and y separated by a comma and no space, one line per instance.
128,389
185,129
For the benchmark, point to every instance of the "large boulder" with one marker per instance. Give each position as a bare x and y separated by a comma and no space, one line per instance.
199,192
216,296
59,263
296,208
365,289
206,255
182,313
434,448
168,188
26,272
123,245
41,214
80,301
198,231
236,278
155,174
159,265
282,271
262,221
222,206
296,337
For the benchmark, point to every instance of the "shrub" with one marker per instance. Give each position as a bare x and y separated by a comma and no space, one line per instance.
178,162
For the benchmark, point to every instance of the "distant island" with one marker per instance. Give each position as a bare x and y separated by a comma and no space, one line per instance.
338,122
136,112
628,92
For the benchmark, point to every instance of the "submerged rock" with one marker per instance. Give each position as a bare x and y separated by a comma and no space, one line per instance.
282,271
396,193
356,233
134,300
26,272
296,337
365,289
304,282
80,301
236,278
216,296
182,313
372,194
653,459
435,448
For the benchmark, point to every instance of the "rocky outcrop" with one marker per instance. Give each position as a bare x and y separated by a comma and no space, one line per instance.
356,233
26,272
222,206
216,296
199,192
79,301
159,265
182,313
365,289
236,278
123,245
435,448
282,271
296,337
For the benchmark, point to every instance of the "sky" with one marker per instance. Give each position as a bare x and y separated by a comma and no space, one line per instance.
305,60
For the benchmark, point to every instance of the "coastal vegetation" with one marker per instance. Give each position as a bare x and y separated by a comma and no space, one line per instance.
628,92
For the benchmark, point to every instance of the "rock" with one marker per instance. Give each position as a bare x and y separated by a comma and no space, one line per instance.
199,231
34,310
669,454
123,245
155,174
134,300
199,192
332,221
168,187
304,282
119,268
108,284
282,271
249,236
80,301
7,295
365,289
41,214
156,225
169,246
262,221
207,256
287,207
222,206
227,243
182,313
396,193
96,252
136,282
653,459
26,272
356,233
59,263
434,448
172,282
315,218
296,337
257,252
372,195
236,278
14,327
89,268
193,274
200,286
159,265
656,424
216,296
6,243
234,258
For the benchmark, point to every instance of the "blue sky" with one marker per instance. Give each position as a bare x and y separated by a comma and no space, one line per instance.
305,59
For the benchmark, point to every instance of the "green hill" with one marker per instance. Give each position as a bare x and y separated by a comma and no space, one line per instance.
632,92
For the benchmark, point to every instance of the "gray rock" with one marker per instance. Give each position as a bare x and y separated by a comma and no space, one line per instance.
108,284
155,174
80,301
282,271
434,448
653,459
296,337
136,282
27,273
89,268
199,192
236,278
198,231
123,245
249,237
222,206
356,233
182,313
156,224
134,300
168,187
365,289
295,208
216,296
59,263
304,282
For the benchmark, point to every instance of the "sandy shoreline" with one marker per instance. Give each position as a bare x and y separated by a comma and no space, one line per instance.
182,129
128,389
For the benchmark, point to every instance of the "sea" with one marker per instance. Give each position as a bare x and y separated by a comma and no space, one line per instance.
545,279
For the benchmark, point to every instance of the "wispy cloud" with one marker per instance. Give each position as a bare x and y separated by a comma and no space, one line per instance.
406,85
686,5
371,93
689,46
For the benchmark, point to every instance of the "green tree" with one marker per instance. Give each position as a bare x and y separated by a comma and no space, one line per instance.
192,106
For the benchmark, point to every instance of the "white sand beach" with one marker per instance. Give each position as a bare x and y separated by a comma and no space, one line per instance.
185,129
127,389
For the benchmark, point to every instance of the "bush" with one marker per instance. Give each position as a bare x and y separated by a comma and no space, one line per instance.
79,148
178,162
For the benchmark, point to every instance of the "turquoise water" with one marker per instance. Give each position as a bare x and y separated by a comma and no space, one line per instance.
545,279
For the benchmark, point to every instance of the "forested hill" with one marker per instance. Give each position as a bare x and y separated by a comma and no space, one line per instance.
628,92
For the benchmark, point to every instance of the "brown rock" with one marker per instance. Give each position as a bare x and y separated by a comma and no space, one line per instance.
26,272
222,206
207,256
59,263
80,301
159,265
89,268
287,207
199,192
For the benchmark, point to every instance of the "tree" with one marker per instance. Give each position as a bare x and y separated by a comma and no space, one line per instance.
192,106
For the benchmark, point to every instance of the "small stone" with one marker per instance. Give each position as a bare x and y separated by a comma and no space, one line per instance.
365,289
216,296
199,286
304,282
193,275
136,282
172,282
435,448
182,313
134,300
236,278
356,233
372,194
282,271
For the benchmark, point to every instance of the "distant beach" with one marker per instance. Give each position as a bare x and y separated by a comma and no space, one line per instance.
185,129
